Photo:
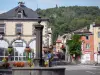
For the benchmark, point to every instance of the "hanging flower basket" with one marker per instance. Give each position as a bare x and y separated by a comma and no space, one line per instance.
10,50
28,50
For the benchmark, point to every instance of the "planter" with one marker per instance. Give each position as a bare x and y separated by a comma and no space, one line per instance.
29,62
5,59
18,64
6,65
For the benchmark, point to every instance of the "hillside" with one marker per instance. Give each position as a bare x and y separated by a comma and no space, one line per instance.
67,19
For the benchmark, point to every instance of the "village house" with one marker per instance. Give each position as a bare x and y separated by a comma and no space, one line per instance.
87,47
17,30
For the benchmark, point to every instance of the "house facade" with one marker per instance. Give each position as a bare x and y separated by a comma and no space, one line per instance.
17,30
87,47
90,43
95,29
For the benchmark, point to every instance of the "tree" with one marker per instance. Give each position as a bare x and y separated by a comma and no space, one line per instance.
67,19
74,46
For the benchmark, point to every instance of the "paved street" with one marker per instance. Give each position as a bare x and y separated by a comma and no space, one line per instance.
82,70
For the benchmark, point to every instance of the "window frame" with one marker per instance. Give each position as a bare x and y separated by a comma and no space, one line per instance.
86,37
99,46
19,28
4,28
87,46
21,15
18,45
98,34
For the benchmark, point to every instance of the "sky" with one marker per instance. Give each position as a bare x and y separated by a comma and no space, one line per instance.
6,5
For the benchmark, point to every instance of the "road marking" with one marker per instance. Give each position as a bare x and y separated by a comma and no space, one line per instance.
90,72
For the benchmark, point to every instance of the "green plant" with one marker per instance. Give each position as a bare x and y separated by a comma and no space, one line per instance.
74,46
10,50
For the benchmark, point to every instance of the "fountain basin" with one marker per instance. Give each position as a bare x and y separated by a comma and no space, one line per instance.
38,71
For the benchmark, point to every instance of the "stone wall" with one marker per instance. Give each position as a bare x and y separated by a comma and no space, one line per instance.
39,71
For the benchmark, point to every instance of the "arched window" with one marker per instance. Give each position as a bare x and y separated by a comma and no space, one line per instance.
3,49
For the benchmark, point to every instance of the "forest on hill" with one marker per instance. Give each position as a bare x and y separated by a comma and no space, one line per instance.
67,19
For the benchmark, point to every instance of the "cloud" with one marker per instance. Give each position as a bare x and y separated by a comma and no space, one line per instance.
2,12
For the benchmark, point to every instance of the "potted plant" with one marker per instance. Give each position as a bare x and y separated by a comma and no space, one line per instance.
5,62
18,64
29,62
28,50
6,65
10,50
5,59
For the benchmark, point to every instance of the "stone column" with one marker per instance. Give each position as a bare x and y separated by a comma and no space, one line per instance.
38,59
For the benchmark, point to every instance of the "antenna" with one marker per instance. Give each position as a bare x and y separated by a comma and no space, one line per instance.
37,5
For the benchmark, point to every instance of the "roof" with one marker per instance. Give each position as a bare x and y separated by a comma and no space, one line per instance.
96,25
84,33
58,41
12,14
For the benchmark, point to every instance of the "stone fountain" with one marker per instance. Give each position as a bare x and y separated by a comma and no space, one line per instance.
38,69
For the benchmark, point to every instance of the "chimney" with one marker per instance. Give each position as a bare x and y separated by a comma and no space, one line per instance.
21,3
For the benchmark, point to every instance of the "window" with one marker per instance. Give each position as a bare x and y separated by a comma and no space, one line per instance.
87,37
2,28
87,46
18,44
3,53
99,47
98,34
18,28
20,15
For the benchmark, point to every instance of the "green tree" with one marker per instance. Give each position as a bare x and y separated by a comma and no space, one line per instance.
67,19
74,46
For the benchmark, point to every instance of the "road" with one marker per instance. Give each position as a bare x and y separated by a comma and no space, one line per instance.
82,70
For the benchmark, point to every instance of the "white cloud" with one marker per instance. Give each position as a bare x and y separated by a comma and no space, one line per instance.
2,12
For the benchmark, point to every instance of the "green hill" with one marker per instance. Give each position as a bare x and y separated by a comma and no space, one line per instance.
67,19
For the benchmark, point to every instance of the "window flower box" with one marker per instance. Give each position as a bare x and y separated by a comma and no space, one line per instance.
18,64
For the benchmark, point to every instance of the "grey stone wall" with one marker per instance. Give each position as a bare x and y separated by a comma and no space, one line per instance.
39,71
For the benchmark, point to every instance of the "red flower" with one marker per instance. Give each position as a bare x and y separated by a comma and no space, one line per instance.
28,50
62,46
